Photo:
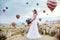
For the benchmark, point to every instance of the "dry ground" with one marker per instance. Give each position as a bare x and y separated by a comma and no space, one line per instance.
19,37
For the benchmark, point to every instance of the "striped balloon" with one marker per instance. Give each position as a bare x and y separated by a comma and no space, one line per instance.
51,4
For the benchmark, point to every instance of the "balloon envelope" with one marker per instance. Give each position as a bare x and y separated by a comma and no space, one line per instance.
17,16
37,4
26,2
51,4
40,19
6,7
3,10
47,14
44,11
13,24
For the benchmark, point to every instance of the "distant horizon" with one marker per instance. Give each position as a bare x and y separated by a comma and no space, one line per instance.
50,19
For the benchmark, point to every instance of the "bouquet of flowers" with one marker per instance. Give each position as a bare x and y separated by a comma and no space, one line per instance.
28,21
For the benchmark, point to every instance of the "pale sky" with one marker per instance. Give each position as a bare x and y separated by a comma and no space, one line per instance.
25,11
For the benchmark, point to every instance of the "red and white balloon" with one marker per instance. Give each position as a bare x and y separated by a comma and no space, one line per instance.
13,24
51,4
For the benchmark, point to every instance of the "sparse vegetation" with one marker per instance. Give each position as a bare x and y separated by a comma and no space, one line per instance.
0,29
2,37
40,31
22,32
46,33
58,35
53,33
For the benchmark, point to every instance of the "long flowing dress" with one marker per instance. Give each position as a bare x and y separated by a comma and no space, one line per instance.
33,31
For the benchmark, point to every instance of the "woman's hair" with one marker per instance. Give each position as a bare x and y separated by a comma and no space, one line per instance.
35,11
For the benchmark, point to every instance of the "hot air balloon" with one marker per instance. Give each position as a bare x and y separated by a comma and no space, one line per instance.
44,11
51,4
3,10
40,19
17,16
6,7
47,14
37,4
26,2
13,24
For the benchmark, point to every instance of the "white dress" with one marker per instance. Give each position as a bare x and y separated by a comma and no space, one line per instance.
33,31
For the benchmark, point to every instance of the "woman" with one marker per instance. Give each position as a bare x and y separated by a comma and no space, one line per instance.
33,31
